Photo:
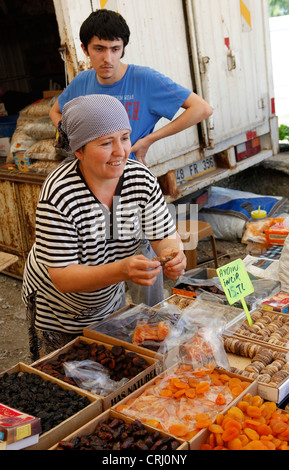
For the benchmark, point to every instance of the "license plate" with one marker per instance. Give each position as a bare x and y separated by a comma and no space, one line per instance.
197,168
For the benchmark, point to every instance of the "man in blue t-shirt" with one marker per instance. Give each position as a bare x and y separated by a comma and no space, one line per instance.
146,94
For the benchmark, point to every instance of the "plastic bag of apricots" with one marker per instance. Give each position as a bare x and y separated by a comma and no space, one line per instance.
184,400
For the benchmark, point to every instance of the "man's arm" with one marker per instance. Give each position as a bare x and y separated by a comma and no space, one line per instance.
196,110
55,114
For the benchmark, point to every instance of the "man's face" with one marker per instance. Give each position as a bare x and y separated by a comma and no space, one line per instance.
105,58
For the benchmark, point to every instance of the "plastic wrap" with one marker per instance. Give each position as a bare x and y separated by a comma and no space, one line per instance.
183,400
91,376
132,325
196,338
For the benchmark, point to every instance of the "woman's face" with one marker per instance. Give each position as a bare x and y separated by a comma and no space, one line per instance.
105,157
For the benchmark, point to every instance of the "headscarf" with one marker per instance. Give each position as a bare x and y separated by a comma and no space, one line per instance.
89,117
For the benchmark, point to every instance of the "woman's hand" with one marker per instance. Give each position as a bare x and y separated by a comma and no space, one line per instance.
174,268
141,270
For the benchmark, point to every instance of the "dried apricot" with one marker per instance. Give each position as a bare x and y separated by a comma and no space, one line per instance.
257,401
263,430
202,388
216,428
236,391
253,411
230,433
219,418
224,377
180,393
190,393
193,382
220,400
278,426
179,430
251,434
203,423
235,444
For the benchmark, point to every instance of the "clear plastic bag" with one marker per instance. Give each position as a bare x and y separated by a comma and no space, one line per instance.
125,324
92,376
203,322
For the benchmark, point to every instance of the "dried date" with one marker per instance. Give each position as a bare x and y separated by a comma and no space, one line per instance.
119,362
132,436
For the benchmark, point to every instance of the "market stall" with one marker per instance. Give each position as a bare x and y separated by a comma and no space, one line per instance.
190,373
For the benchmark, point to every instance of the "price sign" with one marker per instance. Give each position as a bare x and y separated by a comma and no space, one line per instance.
236,283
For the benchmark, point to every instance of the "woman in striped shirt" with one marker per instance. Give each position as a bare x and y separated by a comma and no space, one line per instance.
91,215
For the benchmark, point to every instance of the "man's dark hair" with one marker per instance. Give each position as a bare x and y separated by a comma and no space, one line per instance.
105,24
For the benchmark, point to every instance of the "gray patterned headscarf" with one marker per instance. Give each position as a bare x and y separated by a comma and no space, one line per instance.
92,116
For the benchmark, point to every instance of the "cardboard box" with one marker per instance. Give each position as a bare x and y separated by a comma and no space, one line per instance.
111,399
250,389
48,439
277,303
90,427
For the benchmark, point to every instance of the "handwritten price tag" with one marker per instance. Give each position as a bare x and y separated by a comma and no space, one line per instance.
236,283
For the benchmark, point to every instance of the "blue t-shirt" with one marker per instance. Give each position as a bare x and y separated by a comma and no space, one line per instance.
146,94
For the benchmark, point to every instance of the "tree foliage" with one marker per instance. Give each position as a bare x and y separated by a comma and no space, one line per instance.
279,7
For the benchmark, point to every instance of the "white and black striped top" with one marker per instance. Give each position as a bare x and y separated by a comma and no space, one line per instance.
73,227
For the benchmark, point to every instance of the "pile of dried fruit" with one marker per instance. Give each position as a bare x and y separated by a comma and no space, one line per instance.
46,400
150,332
184,400
119,362
252,424
116,434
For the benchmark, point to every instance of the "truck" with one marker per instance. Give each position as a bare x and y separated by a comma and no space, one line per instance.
219,49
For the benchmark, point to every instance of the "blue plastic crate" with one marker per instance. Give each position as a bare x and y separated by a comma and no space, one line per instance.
8,125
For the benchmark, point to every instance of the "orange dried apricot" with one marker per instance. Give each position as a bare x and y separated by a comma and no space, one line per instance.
243,405
220,400
253,411
224,377
230,433
203,423
179,430
202,388
219,418
236,391
244,439
252,423
190,393
278,426
216,428
235,444
257,401
193,382
179,393
251,434
263,430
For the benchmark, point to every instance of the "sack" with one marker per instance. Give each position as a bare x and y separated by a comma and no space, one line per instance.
44,150
41,129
